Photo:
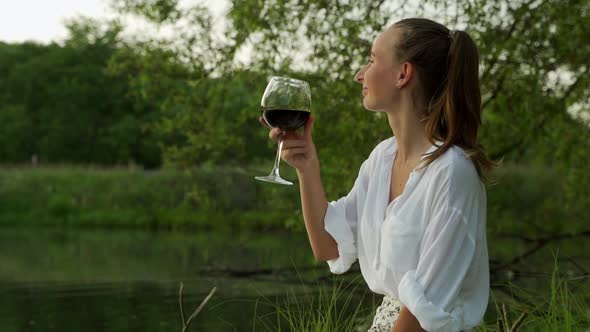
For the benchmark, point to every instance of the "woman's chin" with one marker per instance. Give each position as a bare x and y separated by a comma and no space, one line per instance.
368,106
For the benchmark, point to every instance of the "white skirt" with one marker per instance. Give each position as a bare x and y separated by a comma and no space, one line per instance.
386,315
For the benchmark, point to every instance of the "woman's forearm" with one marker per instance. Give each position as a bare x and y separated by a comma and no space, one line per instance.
407,322
315,205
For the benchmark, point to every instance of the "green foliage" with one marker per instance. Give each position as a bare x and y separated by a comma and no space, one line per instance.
205,104
61,103
77,196
529,75
158,11
60,206
527,200
530,78
15,134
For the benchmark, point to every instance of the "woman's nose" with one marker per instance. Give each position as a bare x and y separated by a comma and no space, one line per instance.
360,76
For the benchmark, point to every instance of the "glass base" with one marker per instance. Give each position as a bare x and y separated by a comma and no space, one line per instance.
274,179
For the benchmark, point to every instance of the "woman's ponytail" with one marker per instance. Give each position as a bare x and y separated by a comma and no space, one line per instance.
447,63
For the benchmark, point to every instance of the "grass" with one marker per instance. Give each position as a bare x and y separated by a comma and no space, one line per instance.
563,307
526,200
90,196
338,307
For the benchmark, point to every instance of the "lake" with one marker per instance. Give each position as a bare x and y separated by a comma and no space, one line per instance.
128,280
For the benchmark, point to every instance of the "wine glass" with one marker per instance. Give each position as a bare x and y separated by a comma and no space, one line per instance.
285,105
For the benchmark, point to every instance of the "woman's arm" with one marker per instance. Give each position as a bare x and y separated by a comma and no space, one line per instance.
406,322
315,204
299,152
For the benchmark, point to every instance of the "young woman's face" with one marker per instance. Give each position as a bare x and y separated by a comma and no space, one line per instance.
379,75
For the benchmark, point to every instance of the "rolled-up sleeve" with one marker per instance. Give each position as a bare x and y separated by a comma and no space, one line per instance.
341,222
432,292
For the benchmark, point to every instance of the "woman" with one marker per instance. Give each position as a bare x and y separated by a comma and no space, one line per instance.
416,215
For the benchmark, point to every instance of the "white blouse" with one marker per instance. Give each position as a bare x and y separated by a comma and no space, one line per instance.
428,247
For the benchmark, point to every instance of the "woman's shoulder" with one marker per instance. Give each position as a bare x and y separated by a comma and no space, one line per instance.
386,145
456,166
377,155
454,181
382,148
454,156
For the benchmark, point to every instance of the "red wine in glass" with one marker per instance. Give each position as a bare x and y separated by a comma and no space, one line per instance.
285,104
285,119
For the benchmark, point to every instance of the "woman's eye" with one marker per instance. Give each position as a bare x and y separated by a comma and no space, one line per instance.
370,61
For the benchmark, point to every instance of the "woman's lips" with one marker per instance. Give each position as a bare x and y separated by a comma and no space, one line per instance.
365,91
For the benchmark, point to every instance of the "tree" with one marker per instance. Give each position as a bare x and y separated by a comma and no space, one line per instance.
533,68
61,102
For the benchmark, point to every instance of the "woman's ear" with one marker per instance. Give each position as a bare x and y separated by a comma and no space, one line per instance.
405,75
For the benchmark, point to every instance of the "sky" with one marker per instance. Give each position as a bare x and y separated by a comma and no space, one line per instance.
43,20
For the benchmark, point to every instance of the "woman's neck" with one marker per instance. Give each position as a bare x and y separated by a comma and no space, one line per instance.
412,140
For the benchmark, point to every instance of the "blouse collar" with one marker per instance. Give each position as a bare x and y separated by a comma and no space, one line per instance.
392,148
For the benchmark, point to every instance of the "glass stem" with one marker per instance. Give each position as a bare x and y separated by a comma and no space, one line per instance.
275,169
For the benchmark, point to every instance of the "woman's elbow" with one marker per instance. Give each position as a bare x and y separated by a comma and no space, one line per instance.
326,255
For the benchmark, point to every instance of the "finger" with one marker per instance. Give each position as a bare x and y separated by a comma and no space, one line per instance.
291,153
308,128
274,133
263,122
293,143
293,135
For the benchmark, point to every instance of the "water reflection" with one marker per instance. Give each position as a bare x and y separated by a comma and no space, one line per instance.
97,280
124,280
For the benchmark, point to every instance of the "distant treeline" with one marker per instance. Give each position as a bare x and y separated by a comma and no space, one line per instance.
63,104
95,99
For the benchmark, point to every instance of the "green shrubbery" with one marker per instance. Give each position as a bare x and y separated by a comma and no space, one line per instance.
526,200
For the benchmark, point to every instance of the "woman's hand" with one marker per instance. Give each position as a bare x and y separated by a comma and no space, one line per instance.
298,148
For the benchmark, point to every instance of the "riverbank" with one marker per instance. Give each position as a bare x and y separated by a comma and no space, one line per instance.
526,199
89,196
